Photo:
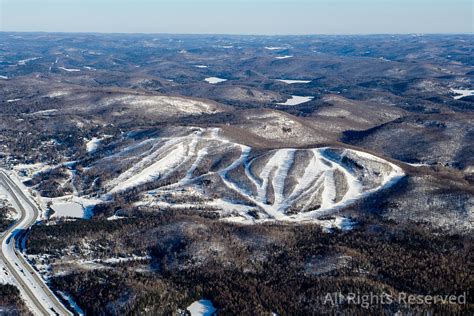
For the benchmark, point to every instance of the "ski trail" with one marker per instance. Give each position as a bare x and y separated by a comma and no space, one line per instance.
245,151
249,174
329,190
164,165
276,161
312,171
281,174
316,188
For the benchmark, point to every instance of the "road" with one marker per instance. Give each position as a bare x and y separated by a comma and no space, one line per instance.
39,297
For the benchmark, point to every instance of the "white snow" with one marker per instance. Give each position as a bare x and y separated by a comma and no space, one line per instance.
162,104
94,142
316,184
69,69
68,209
72,303
44,112
59,93
292,81
418,164
72,206
27,171
214,80
92,145
275,47
134,176
127,259
461,93
284,57
115,217
24,61
278,164
5,277
296,100
7,200
338,222
201,308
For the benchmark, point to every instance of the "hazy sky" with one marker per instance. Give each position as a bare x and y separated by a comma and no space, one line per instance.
239,16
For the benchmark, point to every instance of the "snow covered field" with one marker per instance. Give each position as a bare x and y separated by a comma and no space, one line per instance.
295,100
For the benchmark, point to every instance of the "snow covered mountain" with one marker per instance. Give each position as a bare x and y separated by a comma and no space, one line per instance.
242,183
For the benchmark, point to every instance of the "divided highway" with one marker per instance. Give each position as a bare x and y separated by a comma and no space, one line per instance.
39,297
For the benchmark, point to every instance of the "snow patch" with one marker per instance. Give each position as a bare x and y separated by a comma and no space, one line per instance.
69,69
93,144
44,112
201,308
275,47
461,93
25,61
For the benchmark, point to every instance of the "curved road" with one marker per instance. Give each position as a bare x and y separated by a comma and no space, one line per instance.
40,298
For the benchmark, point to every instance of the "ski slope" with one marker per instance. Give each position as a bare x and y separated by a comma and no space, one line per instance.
286,184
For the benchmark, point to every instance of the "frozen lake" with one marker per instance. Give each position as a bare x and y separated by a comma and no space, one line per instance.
295,100
214,80
291,81
284,57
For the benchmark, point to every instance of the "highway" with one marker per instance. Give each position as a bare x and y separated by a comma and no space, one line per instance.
39,298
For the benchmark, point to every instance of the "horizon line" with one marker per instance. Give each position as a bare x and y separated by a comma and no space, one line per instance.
239,34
